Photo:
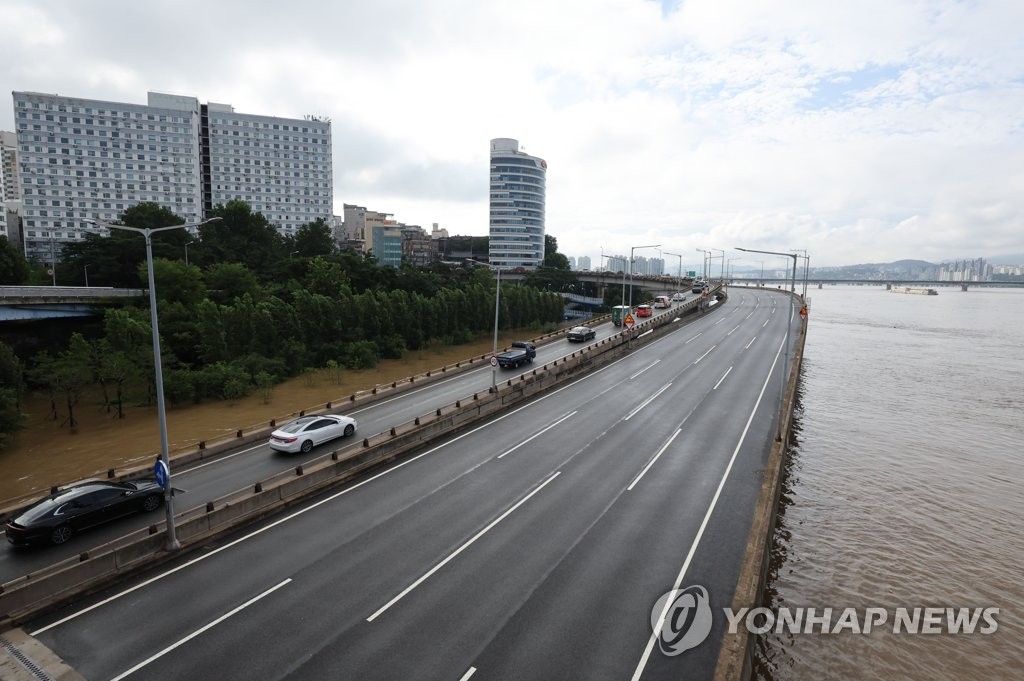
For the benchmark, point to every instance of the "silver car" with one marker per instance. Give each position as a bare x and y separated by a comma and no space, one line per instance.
305,432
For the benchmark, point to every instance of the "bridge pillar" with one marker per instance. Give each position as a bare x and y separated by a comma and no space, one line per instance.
963,287
888,287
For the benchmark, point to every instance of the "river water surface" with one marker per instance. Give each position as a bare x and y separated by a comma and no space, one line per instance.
904,486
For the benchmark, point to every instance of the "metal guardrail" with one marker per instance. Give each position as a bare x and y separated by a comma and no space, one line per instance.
35,294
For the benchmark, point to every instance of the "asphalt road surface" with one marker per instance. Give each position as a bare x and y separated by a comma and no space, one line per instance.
532,547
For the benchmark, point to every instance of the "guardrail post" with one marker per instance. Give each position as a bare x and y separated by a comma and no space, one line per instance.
258,487
209,507
298,469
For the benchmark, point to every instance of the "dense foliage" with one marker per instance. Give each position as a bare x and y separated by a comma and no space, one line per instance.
250,308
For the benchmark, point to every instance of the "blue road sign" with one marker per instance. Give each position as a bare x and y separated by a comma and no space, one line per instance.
161,473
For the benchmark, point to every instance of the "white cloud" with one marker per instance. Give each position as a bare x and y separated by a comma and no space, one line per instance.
865,131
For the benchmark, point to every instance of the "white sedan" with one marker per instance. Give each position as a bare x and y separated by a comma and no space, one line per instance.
305,432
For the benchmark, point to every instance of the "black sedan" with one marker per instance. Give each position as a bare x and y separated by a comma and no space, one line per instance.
54,519
581,334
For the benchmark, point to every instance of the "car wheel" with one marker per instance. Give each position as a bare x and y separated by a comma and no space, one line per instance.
350,430
151,503
307,446
61,534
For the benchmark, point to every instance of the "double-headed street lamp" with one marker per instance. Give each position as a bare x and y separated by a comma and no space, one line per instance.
632,250
679,274
789,323
172,540
707,257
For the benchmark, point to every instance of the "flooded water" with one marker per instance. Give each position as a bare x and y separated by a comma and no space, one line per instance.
904,486
47,454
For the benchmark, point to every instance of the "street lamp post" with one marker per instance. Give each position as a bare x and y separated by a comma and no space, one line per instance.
497,307
186,251
146,232
86,275
789,323
679,274
721,271
705,270
729,273
632,250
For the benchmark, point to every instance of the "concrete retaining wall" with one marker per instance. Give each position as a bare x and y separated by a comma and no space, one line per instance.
736,657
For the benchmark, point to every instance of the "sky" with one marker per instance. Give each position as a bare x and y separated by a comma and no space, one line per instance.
866,131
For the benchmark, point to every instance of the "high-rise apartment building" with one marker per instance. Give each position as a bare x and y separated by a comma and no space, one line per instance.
516,206
84,159
8,176
279,166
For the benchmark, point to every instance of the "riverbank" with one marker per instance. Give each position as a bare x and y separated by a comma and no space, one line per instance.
46,453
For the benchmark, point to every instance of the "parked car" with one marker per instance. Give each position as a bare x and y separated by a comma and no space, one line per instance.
56,518
644,311
305,432
522,352
581,334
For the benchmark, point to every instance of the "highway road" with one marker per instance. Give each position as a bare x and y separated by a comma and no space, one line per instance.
533,546
239,469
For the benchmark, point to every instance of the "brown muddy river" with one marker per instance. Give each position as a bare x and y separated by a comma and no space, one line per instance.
47,453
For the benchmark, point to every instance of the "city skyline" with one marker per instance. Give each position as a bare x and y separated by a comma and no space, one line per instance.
859,134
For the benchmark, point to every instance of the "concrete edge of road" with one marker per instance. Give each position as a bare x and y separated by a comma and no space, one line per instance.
736,655
23,658
97,568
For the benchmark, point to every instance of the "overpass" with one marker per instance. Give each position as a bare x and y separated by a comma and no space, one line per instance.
46,302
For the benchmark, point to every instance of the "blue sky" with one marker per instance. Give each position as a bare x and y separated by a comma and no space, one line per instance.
861,132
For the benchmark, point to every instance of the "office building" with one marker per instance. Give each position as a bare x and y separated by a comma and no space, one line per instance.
516,206
81,158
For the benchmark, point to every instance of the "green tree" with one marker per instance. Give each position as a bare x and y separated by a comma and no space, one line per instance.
175,282
326,278
226,281
114,260
66,375
12,419
14,269
552,258
313,239
242,236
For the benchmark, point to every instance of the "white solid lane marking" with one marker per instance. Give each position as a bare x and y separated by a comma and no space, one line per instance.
536,435
644,369
706,353
651,462
700,532
468,674
199,631
459,550
722,378
646,402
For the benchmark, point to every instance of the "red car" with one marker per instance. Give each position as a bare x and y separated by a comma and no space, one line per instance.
644,311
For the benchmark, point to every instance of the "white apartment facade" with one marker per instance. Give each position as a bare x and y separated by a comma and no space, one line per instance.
84,159
279,166
517,196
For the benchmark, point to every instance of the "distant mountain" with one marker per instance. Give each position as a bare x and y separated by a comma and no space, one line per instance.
902,269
